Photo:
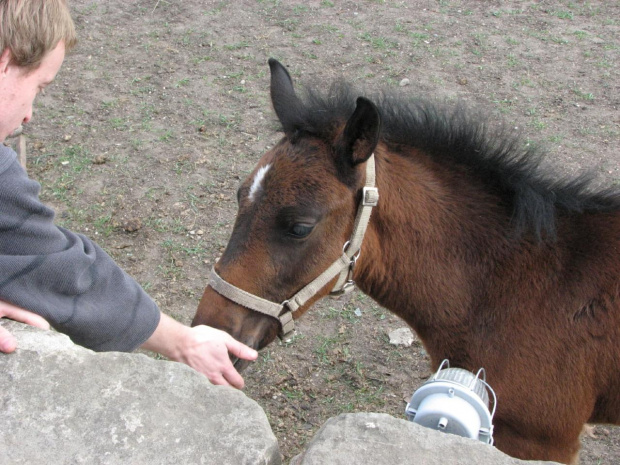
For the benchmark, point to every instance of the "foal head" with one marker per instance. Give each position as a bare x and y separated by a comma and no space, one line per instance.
296,211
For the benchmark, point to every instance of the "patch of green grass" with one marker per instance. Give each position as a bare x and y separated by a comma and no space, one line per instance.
584,95
183,166
238,45
505,105
587,131
511,60
187,36
170,270
197,249
370,396
292,394
324,348
118,124
563,14
418,37
538,124
167,136
330,313
201,59
580,34
103,225
327,28
559,40
136,144
289,24
381,43
604,63
300,9
228,121
217,9
157,224
75,157
108,104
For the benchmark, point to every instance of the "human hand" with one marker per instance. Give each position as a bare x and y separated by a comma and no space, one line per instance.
207,350
203,348
8,343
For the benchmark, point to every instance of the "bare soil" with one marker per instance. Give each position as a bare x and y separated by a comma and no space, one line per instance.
163,108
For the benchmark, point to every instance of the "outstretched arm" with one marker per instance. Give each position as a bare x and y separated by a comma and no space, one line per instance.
8,342
203,348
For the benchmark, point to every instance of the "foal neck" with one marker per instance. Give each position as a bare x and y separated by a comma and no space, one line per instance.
427,247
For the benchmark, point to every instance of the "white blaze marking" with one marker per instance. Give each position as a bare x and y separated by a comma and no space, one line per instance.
258,179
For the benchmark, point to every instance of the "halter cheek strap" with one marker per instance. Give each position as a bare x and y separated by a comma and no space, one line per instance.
253,302
343,267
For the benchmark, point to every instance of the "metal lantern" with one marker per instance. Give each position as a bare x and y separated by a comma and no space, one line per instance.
455,401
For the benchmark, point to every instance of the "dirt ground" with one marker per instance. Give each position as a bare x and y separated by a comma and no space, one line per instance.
163,108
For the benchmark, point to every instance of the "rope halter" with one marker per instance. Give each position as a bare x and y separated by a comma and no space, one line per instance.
343,267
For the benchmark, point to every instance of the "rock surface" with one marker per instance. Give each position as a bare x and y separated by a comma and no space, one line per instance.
61,403
380,439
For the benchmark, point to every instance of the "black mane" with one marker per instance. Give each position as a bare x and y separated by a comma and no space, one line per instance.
458,136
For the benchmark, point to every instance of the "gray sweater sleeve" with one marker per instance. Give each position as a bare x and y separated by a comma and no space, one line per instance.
62,276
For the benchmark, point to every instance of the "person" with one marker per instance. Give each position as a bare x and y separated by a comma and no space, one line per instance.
64,279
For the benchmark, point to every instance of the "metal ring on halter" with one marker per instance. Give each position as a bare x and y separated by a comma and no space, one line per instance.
355,256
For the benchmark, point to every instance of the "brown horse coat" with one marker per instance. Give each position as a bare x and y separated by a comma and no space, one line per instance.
493,263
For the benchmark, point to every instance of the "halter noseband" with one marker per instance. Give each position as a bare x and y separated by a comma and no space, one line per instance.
343,266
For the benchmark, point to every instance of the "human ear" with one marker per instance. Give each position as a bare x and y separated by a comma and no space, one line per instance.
5,61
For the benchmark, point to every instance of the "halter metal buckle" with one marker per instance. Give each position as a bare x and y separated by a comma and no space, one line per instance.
370,196
346,288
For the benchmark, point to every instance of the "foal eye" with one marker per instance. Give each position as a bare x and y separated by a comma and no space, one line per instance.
300,230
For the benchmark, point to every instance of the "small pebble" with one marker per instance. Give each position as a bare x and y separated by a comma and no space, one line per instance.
401,337
100,160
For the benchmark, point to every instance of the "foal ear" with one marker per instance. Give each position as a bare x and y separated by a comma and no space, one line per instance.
285,102
361,134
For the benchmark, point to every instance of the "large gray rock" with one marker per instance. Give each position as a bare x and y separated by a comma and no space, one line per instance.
380,439
63,404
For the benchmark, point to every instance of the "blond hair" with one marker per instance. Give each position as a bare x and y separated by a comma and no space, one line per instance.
31,29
